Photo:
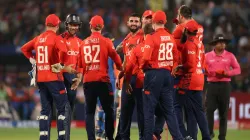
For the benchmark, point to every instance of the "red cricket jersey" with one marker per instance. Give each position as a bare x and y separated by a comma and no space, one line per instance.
136,61
47,47
177,33
160,51
73,44
132,40
93,58
193,58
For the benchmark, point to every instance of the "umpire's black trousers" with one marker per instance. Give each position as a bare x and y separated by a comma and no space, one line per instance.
218,96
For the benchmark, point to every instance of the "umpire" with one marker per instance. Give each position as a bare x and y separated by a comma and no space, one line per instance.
221,66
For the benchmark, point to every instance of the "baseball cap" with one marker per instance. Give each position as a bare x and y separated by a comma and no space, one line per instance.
192,26
52,19
96,20
159,17
148,13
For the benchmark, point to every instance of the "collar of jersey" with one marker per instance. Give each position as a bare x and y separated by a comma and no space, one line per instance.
160,29
96,33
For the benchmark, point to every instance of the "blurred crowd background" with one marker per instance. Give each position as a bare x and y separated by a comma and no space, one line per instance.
20,21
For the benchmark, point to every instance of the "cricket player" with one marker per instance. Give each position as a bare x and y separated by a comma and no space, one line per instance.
51,87
73,25
184,16
192,80
128,101
100,115
159,118
94,53
136,59
159,57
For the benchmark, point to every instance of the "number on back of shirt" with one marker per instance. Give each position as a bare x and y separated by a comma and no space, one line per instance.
91,54
165,51
42,54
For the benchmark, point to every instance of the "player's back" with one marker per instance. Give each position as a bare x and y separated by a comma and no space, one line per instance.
164,50
193,71
47,46
95,56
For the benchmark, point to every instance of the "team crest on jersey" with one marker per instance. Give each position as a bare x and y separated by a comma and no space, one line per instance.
68,43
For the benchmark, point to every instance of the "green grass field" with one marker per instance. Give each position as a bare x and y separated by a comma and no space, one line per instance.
80,134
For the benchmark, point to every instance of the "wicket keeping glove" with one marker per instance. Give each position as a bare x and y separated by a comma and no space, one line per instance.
32,75
32,60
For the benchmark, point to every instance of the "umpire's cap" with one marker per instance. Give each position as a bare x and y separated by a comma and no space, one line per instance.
219,38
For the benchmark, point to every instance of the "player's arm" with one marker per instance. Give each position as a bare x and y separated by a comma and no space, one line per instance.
113,55
81,67
148,50
119,48
175,54
27,50
130,65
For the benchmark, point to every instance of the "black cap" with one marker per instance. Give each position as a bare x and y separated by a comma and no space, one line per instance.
219,38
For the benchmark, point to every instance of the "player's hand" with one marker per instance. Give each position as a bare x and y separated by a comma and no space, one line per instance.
119,68
75,84
119,48
128,88
120,75
56,68
69,69
117,84
175,70
32,61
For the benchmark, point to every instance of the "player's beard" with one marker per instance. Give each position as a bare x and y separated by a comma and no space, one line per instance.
134,30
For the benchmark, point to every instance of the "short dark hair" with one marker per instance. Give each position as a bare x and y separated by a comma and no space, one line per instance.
186,12
148,29
98,28
135,15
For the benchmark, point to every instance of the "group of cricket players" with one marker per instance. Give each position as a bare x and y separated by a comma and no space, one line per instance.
162,76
